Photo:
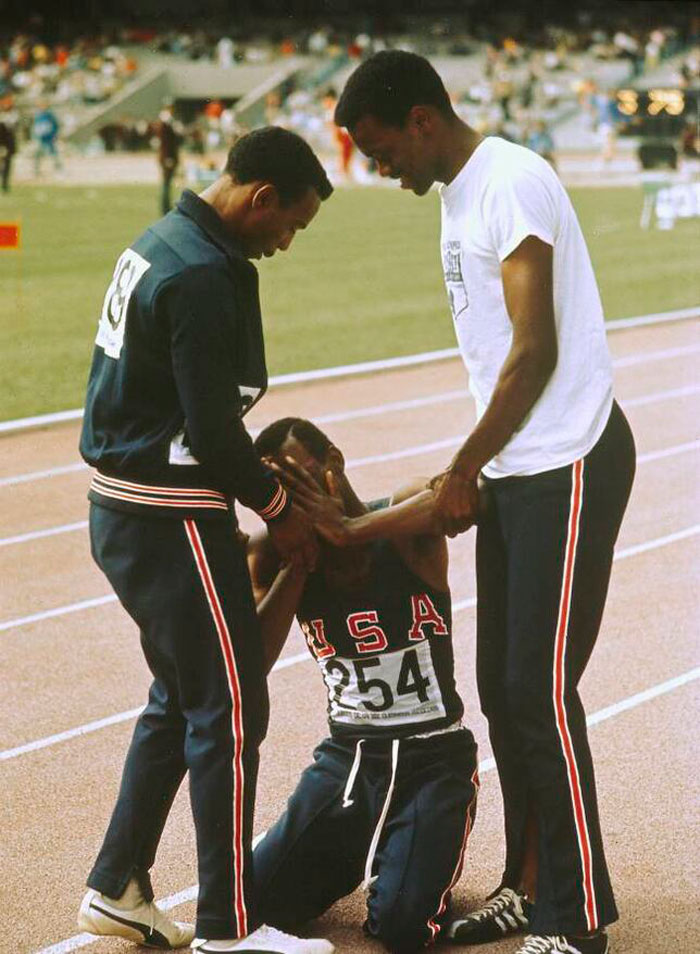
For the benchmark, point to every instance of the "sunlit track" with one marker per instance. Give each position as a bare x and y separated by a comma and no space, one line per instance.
284,663
67,730
415,451
455,395
485,765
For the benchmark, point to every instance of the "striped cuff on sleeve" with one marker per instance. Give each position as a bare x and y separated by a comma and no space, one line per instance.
278,505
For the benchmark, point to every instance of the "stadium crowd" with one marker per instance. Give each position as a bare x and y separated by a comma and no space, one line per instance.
510,77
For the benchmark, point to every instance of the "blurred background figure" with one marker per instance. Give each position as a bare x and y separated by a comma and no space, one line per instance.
539,139
45,131
169,135
8,142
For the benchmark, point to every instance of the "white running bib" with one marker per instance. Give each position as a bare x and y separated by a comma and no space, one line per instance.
389,689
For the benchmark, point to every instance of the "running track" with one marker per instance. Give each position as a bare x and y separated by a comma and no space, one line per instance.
75,679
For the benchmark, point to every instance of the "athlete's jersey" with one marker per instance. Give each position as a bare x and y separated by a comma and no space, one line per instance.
384,650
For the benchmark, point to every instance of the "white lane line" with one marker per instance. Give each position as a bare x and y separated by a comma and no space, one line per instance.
58,611
40,534
416,451
286,662
661,396
40,474
485,765
366,367
646,357
664,541
443,397
116,719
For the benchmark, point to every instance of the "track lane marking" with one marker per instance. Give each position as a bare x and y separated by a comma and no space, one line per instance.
286,662
485,765
661,454
366,367
642,357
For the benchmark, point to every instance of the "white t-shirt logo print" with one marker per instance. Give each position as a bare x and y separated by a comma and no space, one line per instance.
454,281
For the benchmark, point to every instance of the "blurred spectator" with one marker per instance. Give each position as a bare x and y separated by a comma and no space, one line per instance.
169,134
45,132
540,141
8,144
607,120
224,52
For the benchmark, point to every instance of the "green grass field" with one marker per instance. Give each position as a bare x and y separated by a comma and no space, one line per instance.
363,282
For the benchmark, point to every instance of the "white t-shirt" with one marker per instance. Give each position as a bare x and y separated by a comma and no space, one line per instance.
504,193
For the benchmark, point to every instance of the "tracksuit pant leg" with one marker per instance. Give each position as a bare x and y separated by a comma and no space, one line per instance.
423,844
317,852
186,585
544,555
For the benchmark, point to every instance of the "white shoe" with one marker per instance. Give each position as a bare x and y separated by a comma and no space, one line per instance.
132,917
266,940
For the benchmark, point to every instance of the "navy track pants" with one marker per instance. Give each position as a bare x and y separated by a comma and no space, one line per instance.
544,556
186,585
316,852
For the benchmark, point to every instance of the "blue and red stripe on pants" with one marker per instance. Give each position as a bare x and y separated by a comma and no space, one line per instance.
186,585
544,555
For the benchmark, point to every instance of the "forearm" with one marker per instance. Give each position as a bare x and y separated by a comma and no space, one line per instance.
276,611
522,380
416,516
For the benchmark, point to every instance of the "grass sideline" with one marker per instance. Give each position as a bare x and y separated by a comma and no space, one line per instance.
363,283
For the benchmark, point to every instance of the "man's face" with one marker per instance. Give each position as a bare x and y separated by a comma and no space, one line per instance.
273,225
291,447
399,153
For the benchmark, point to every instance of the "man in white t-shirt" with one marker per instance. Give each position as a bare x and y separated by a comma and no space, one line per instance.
556,456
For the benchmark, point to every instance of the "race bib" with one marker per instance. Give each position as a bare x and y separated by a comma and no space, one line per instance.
127,273
390,689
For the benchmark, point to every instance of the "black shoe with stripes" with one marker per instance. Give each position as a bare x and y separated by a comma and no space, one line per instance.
505,913
550,944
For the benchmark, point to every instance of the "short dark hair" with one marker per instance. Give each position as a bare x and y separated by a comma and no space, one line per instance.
271,438
280,157
387,86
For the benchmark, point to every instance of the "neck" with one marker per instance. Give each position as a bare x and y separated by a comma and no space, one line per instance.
227,201
459,143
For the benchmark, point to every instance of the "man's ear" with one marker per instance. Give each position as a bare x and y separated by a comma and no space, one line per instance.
336,460
265,197
421,119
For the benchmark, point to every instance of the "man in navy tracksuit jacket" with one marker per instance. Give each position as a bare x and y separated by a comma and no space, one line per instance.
178,361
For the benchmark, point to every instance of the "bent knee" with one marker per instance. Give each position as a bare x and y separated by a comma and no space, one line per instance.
399,928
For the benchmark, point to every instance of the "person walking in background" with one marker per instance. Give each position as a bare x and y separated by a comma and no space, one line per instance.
8,146
169,134
556,456
178,361
45,129
540,140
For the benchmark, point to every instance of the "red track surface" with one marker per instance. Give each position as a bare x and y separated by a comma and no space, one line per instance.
66,671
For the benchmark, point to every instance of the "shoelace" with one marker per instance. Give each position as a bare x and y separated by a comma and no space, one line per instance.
496,906
541,945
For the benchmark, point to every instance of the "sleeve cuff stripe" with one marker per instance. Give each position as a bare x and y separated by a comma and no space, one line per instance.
276,505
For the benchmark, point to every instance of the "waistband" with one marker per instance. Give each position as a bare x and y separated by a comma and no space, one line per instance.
130,495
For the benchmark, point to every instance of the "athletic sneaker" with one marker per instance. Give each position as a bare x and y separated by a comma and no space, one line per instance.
132,917
266,940
506,913
539,944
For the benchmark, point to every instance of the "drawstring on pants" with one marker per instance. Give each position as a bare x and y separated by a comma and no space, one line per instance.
347,801
368,879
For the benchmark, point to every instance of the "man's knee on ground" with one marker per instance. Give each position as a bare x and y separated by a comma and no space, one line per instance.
397,924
